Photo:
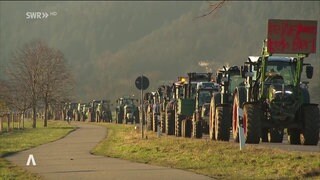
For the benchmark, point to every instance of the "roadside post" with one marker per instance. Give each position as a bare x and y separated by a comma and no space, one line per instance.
241,131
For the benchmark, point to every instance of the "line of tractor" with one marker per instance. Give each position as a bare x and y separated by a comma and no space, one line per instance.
267,88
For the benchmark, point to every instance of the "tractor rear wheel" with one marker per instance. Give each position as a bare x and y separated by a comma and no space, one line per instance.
294,136
197,129
276,135
264,135
162,122
222,124
178,125
310,133
149,121
119,118
252,123
238,99
170,123
155,122
186,128
215,100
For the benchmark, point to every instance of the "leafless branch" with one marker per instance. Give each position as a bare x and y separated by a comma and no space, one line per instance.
213,7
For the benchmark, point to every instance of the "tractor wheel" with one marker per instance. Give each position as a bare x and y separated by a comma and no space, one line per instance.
110,116
216,99
170,123
197,129
310,133
238,99
178,125
186,128
162,122
89,117
155,123
252,123
211,124
222,123
294,136
137,117
149,122
119,118
264,135
97,117
276,135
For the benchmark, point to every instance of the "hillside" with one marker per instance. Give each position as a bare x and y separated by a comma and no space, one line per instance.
109,44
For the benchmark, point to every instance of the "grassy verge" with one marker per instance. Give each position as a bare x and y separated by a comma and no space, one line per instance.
19,140
214,159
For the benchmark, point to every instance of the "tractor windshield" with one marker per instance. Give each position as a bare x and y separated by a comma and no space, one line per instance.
284,69
204,97
127,101
235,81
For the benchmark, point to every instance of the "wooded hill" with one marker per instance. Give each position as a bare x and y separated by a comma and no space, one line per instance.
109,44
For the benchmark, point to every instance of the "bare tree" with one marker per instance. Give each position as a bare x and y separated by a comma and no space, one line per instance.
56,80
16,98
40,72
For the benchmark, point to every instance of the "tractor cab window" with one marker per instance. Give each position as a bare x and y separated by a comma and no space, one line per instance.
127,101
282,69
204,97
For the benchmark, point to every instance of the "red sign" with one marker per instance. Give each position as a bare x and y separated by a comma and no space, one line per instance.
292,36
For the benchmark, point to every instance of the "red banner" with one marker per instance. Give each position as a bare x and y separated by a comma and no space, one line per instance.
292,36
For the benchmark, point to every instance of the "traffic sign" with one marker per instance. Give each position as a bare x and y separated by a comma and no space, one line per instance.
142,82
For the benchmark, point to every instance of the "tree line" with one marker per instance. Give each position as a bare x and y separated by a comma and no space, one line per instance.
36,76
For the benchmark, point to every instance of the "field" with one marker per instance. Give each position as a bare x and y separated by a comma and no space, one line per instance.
215,159
19,140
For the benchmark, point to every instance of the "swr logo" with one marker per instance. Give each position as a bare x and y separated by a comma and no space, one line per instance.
36,15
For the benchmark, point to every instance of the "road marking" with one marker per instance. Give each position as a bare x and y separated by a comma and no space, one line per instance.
31,160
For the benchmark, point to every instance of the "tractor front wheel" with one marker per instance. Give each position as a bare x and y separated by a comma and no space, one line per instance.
252,123
310,133
222,123
276,135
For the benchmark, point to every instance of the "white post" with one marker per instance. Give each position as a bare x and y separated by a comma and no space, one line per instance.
241,131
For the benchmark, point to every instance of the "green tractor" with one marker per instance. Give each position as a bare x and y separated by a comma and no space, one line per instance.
84,110
127,111
274,98
92,111
69,110
175,115
103,111
191,97
164,93
221,102
200,90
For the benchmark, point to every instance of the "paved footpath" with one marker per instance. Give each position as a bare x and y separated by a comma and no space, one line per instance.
70,158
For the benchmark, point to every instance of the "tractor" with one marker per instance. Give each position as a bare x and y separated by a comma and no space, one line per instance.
178,89
157,106
103,111
221,102
274,98
192,109
92,111
164,94
127,110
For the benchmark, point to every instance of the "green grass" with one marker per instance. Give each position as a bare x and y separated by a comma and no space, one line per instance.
19,140
220,160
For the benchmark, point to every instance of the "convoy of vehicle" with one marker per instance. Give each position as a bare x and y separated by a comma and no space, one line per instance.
265,96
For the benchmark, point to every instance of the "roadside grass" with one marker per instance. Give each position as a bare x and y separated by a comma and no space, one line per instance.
221,160
19,140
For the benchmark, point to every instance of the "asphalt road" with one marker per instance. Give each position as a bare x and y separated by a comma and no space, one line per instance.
70,158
